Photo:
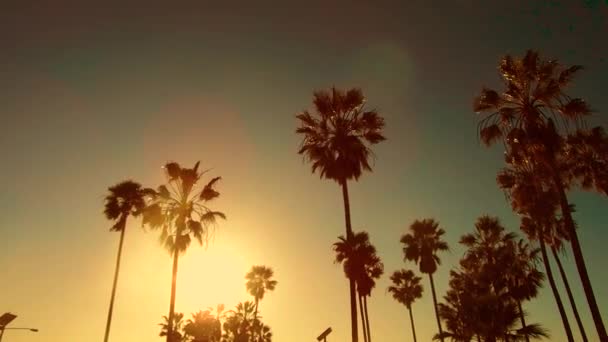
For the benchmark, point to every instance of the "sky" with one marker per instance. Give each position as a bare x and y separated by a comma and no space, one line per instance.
91,95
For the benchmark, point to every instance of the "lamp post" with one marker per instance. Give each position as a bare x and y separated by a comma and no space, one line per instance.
6,319
324,334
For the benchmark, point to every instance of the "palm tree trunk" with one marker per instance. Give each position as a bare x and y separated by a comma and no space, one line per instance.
349,235
255,315
579,322
172,304
558,299
523,319
369,333
412,322
362,318
578,257
435,306
116,270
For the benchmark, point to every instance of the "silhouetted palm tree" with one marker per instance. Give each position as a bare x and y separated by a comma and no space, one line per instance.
422,246
241,325
204,327
373,268
259,280
537,204
524,278
180,211
337,140
556,243
125,199
172,330
482,300
524,116
406,289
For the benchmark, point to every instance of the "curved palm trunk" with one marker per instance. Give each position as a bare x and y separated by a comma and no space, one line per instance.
116,270
435,306
363,318
412,322
523,319
369,333
579,322
172,304
578,257
558,299
349,235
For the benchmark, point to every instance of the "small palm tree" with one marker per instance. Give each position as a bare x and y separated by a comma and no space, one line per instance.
125,199
421,245
203,327
337,140
523,116
180,211
259,281
172,329
406,289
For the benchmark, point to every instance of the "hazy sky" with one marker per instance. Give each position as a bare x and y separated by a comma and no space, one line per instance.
92,95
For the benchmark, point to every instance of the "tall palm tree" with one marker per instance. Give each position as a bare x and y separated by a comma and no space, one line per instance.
124,199
373,268
525,279
337,140
179,209
537,204
523,116
259,281
406,289
172,329
421,245
354,254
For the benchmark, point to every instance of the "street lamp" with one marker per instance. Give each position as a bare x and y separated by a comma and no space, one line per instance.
6,319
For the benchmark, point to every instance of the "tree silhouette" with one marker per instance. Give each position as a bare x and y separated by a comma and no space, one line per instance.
482,300
180,211
360,262
204,327
259,280
124,199
524,117
173,329
537,204
241,325
406,289
421,246
337,140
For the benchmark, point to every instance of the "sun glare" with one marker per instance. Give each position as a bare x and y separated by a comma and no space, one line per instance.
213,276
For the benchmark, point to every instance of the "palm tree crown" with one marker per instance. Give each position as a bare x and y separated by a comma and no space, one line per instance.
179,211
259,280
338,136
125,198
406,287
422,244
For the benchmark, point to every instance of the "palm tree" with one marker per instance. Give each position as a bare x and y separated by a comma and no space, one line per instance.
524,278
337,141
125,199
204,327
259,280
373,268
556,244
172,329
180,211
523,116
406,289
537,204
421,245
241,325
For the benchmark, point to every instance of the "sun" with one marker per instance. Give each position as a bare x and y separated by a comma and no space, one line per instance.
211,276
